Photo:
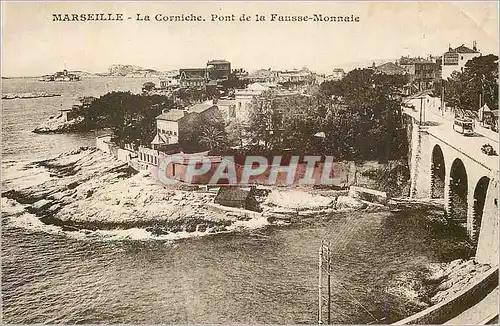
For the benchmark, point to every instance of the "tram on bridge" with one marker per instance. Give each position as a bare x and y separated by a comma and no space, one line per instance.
464,126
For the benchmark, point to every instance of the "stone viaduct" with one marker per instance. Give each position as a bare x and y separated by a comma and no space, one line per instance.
447,165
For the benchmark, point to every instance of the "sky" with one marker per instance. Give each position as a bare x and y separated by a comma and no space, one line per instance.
33,44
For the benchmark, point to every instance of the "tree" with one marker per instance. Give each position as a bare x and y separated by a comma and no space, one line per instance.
201,132
148,86
265,122
213,137
131,117
479,78
235,133
365,118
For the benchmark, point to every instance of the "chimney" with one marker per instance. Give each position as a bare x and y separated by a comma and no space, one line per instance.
474,46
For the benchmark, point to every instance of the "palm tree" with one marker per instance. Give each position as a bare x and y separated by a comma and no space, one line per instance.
213,137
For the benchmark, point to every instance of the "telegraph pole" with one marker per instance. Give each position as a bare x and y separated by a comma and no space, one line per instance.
320,267
324,254
442,98
421,104
329,257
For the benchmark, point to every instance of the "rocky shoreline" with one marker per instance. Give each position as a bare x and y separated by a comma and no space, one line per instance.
58,124
438,282
12,96
87,192
87,189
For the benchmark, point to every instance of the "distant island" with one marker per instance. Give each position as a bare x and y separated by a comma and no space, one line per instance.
115,70
64,76
12,96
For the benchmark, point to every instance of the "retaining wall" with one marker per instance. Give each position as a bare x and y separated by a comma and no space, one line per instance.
452,307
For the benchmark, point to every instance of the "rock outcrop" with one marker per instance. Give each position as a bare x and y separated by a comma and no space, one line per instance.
346,202
439,282
89,189
60,125
449,279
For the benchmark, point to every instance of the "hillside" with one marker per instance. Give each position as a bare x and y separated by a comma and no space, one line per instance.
132,71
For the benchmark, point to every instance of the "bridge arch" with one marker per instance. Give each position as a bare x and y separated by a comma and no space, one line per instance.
438,173
478,206
458,192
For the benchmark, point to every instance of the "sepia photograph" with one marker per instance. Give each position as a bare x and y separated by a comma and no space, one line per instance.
249,162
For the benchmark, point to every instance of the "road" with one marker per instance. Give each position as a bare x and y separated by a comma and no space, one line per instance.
482,313
441,126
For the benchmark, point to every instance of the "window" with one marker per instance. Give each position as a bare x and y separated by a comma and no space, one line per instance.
461,57
175,133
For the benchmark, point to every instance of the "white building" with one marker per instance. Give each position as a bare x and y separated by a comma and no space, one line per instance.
167,127
455,59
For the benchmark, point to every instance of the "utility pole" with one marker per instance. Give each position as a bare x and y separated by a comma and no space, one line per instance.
423,109
329,257
442,98
320,267
421,104
325,254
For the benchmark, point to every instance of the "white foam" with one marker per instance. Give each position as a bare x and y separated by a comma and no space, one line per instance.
16,215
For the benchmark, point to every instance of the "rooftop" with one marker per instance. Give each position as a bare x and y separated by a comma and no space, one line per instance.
411,61
211,62
232,194
172,115
462,49
200,107
390,68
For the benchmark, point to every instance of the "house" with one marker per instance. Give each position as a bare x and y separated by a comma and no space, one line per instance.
68,114
243,98
193,78
389,68
171,124
264,76
168,83
227,108
337,74
488,117
422,72
238,197
455,59
167,128
218,69
303,75
200,77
